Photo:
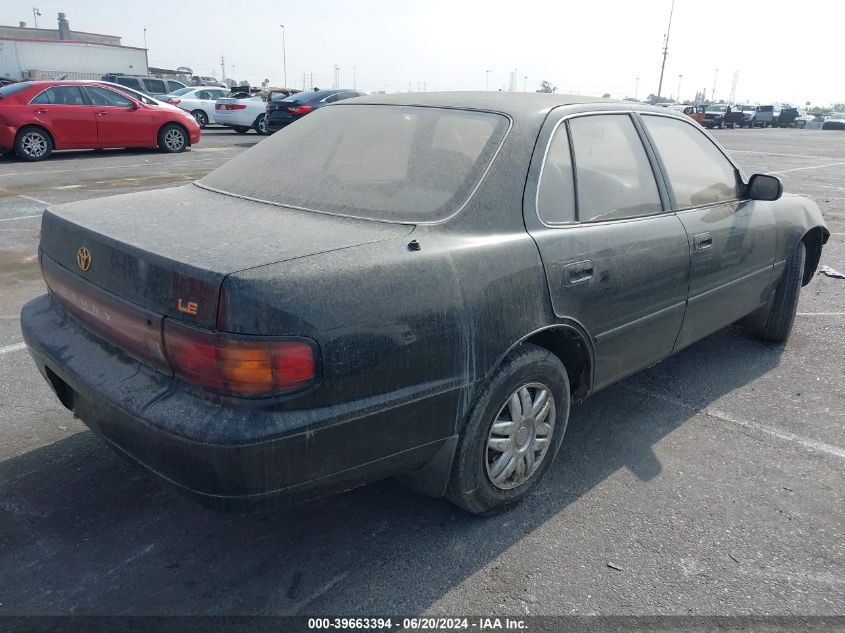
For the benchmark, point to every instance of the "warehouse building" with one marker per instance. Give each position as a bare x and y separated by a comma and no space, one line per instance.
33,53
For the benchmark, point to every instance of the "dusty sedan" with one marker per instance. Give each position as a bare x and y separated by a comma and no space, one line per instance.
413,285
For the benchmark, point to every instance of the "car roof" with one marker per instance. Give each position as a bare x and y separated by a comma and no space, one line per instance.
527,107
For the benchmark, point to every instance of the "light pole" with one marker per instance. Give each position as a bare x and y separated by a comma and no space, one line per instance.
678,94
713,92
525,83
487,80
284,57
636,88
35,13
665,48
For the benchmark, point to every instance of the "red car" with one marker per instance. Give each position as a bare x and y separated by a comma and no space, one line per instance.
37,117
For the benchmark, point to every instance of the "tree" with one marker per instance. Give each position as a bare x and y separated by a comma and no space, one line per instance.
606,95
546,87
652,99
265,83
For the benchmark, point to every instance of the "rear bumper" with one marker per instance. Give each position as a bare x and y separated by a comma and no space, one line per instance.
7,137
227,455
276,120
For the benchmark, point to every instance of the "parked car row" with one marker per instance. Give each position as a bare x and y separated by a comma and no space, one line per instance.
38,117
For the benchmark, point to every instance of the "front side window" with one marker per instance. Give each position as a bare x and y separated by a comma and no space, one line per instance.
395,163
60,95
614,179
556,192
699,174
103,97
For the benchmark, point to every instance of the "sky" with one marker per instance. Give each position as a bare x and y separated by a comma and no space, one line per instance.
789,54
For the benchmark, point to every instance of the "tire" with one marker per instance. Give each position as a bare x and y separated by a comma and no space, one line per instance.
201,117
784,303
528,371
33,143
241,129
172,139
260,125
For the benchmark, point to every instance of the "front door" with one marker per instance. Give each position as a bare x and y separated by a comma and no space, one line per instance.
732,239
615,262
120,121
69,118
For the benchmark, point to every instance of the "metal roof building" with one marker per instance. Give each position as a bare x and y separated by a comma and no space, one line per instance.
28,53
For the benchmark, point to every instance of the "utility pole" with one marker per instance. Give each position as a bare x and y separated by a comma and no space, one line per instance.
713,92
636,88
732,98
678,96
284,57
35,13
234,75
336,76
665,49
312,80
487,80
145,37
525,83
222,68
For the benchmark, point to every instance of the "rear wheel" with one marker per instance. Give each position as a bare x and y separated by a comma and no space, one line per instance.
172,139
784,302
513,433
260,124
201,117
33,143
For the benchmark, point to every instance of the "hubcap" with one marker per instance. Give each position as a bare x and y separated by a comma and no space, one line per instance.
34,144
174,139
520,436
262,124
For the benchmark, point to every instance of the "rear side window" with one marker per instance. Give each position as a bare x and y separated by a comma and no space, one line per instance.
698,173
60,95
614,179
129,82
203,94
395,163
103,97
174,85
155,86
556,194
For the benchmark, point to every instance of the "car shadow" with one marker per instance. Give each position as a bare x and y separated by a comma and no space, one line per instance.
83,532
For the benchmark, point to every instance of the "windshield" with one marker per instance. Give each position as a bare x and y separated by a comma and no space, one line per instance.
139,96
180,92
716,108
393,163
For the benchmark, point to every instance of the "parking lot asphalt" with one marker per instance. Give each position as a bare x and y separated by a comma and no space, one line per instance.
711,483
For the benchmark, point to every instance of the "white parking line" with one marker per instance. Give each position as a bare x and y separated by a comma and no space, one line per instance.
12,348
722,416
786,171
20,217
67,171
30,198
751,151
820,314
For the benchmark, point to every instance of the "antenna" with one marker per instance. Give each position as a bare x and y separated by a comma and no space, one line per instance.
665,49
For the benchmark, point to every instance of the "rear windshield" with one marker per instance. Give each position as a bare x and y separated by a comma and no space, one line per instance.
302,97
393,163
11,89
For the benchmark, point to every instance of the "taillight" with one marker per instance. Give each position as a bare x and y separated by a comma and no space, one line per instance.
253,366
300,109
174,101
235,106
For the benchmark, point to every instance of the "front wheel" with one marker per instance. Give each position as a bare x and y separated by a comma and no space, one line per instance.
784,303
172,139
201,118
513,432
260,125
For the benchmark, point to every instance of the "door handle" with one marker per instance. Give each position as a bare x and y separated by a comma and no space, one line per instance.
577,272
702,241
42,111
102,113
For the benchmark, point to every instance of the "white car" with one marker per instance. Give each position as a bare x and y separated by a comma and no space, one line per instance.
242,114
198,101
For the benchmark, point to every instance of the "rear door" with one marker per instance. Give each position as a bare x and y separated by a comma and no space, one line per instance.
616,263
120,123
67,115
732,239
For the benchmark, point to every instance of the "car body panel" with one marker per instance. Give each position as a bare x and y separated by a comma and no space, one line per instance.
253,107
410,319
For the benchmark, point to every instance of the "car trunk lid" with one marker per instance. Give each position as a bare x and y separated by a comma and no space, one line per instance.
169,251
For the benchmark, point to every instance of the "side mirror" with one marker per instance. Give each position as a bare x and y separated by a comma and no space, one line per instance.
764,187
